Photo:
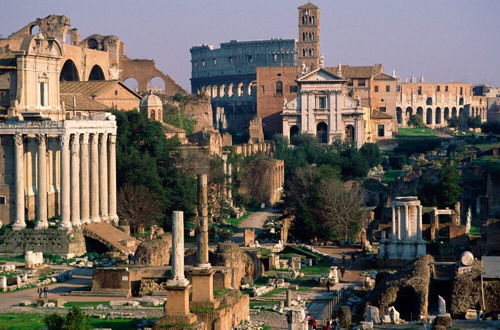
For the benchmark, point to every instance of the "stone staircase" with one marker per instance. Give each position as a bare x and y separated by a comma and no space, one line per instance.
111,236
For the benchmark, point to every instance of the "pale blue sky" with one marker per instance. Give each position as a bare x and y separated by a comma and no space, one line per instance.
447,40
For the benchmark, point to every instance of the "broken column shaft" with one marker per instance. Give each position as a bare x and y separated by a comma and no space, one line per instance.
203,261
178,278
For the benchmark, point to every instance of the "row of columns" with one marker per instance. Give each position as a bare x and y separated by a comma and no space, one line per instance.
87,180
401,223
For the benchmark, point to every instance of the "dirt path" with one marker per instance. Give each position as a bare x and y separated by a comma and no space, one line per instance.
255,220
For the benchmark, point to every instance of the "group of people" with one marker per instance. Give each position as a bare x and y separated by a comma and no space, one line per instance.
332,324
44,291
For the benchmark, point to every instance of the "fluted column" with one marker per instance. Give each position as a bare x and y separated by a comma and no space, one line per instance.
42,183
178,278
398,231
94,178
103,176
65,183
202,261
112,178
393,223
406,223
419,223
19,156
75,180
84,178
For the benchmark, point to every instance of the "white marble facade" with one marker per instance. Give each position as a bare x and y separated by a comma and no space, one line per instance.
322,109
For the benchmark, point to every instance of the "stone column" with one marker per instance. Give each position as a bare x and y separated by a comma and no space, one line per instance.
19,223
419,223
230,183
42,183
398,232
178,278
406,223
393,223
113,217
75,180
65,223
84,183
202,261
94,178
103,176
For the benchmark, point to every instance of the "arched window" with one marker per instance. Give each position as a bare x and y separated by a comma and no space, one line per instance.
304,52
304,36
69,72
96,73
304,20
279,88
311,36
399,115
322,132
461,101
294,130
311,20
92,44
428,101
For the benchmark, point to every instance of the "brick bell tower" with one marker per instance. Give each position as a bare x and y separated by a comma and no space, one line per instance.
308,45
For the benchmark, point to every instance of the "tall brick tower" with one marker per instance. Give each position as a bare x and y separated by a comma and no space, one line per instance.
308,45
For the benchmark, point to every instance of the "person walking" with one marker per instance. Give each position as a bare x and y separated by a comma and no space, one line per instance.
342,271
343,258
46,292
40,291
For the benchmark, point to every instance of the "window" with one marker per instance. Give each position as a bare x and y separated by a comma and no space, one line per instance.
275,57
250,58
376,89
262,89
438,88
304,36
311,20
383,109
322,102
398,88
361,82
303,52
43,94
230,59
311,52
446,88
4,97
3,200
387,88
419,91
304,20
461,91
279,88
214,61
294,89
116,92
203,63
380,130
311,36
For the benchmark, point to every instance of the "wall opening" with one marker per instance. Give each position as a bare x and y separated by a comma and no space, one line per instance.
157,85
69,72
132,84
322,132
96,73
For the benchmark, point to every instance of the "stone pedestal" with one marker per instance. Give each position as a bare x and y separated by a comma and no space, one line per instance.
3,283
296,319
177,306
203,288
249,236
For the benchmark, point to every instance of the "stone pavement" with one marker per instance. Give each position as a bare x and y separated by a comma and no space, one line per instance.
255,220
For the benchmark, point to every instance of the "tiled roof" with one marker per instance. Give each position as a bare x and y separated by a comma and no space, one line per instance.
380,115
383,76
348,71
308,5
80,102
92,87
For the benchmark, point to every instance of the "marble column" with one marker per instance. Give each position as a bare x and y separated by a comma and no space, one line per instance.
393,223
406,223
84,178
20,222
94,178
202,261
103,176
65,223
113,217
178,278
419,223
398,231
42,183
75,180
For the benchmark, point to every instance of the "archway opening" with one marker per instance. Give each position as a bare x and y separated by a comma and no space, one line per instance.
399,115
92,43
349,134
322,132
461,101
93,245
157,85
420,112
407,304
96,73
438,116
35,29
294,130
409,112
446,113
453,112
69,72
132,84
428,119
428,101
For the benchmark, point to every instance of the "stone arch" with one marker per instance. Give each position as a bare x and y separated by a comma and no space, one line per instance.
437,120
222,90
93,43
454,112
240,89
461,101
349,134
132,83
230,90
96,73
294,130
213,91
156,84
35,29
409,112
461,112
322,132
407,303
69,72
428,116
399,115
428,101
252,88
446,113
420,112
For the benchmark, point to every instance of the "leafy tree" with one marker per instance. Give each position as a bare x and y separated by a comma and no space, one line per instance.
491,128
74,320
457,122
416,121
474,122
445,191
372,154
175,117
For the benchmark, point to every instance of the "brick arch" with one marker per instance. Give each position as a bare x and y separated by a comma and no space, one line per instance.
70,64
143,71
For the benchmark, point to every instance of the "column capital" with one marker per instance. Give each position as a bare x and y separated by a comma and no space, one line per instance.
112,138
18,139
94,138
41,138
75,140
84,138
64,139
103,138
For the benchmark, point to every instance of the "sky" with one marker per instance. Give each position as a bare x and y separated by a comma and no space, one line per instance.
445,40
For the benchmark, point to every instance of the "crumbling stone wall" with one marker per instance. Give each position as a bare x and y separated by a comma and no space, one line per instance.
413,277
51,241
232,256
466,292
154,252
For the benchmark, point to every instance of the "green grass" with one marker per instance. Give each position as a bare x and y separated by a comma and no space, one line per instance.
12,259
408,132
318,269
392,175
70,304
236,221
30,321
475,230
220,292
301,251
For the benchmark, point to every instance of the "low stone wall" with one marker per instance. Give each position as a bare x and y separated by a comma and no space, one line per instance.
234,308
51,241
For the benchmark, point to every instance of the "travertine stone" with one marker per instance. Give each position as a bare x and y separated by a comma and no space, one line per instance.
42,183
19,155
94,178
113,217
178,278
65,184
103,176
85,178
75,180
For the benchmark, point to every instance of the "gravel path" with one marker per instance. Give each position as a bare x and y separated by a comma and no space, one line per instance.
255,220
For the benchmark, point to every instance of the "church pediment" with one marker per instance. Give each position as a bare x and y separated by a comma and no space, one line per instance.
320,75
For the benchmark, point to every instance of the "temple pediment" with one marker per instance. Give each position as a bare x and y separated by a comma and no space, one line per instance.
320,75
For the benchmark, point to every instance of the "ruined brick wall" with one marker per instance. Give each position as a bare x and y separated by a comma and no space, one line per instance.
154,252
51,241
232,256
